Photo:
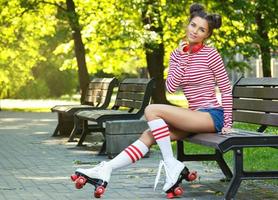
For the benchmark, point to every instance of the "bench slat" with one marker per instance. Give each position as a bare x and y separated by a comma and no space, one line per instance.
261,93
132,87
93,116
130,95
129,104
256,118
267,81
225,143
143,81
255,105
93,86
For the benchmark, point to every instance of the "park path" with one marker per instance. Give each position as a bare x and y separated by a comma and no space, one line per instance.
34,165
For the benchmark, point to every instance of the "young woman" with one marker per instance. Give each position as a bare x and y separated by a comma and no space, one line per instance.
197,69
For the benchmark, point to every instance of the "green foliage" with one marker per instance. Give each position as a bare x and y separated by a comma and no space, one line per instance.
36,44
21,35
239,33
34,88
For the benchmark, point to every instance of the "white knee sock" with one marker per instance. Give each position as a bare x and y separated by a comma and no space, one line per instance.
161,134
130,155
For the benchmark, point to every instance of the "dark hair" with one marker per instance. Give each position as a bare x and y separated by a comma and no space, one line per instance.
214,20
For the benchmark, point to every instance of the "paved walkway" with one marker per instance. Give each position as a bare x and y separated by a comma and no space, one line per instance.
34,165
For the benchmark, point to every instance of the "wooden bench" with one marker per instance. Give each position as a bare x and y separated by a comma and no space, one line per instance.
255,102
98,96
132,98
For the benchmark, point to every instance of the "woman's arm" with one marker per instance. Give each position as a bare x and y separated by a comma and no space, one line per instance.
175,72
217,66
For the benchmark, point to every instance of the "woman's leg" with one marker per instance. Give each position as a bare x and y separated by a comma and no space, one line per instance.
133,152
160,118
129,155
181,118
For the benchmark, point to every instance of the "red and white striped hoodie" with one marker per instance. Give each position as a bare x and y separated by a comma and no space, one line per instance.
198,74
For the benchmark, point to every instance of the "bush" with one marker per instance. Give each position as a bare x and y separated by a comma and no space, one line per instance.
34,89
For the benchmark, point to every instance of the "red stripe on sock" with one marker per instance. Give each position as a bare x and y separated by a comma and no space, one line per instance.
162,132
133,160
138,150
133,152
161,136
158,129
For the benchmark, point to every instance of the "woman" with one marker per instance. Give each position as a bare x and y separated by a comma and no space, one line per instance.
196,68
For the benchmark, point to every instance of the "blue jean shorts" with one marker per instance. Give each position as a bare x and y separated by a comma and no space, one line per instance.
217,115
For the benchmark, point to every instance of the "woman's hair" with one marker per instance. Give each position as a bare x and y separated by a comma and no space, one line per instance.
214,20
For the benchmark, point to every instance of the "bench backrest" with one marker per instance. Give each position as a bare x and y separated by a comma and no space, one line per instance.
99,92
134,94
255,100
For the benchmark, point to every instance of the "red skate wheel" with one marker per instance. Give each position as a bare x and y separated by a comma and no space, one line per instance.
170,195
74,177
80,182
178,191
99,191
192,176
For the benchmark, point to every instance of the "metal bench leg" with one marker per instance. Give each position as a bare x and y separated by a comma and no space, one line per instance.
103,149
180,150
55,133
84,133
238,174
223,165
75,129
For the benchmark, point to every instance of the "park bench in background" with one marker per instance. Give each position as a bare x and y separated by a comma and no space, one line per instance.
133,96
255,102
98,96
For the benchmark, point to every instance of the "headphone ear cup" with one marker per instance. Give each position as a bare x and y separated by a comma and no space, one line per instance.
186,48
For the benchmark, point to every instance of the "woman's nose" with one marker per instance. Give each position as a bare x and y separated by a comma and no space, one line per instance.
194,30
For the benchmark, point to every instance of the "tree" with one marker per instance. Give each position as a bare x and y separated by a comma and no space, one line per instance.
21,38
31,8
251,29
78,48
154,50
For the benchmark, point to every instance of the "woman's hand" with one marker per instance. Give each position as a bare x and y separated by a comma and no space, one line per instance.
182,44
225,131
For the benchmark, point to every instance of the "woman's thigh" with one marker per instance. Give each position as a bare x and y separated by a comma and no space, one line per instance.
181,118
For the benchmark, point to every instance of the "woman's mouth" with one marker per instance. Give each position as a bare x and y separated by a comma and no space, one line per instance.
192,36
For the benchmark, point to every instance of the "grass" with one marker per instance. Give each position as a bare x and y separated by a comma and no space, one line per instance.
27,109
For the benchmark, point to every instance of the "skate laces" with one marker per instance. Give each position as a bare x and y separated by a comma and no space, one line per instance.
99,166
161,164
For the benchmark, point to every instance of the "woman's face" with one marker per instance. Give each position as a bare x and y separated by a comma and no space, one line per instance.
197,30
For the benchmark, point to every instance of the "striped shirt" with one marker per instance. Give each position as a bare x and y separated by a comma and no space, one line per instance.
198,74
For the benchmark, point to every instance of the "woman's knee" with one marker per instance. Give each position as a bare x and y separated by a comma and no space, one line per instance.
147,138
152,111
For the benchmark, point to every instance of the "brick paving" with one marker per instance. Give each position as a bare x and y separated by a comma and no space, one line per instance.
34,165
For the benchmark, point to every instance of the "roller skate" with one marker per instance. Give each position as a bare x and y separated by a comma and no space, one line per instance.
175,174
98,176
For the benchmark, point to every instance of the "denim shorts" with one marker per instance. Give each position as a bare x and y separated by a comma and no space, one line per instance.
217,115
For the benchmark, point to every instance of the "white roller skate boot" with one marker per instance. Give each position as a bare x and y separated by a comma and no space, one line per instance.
98,176
175,172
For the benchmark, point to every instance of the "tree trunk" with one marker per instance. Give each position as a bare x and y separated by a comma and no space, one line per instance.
155,54
79,48
264,45
156,68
